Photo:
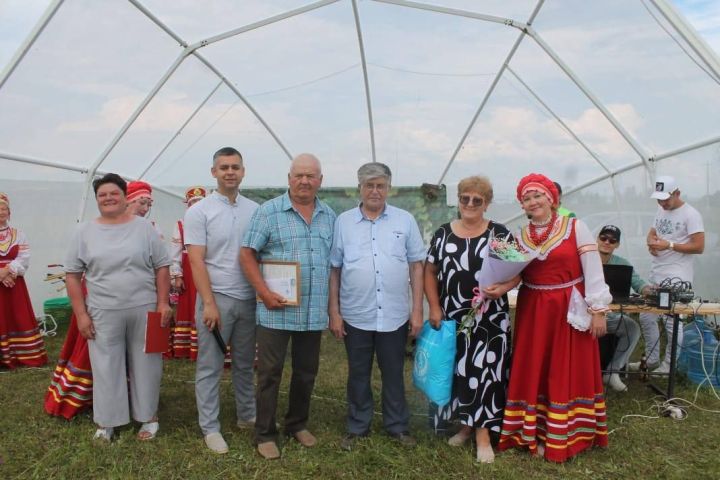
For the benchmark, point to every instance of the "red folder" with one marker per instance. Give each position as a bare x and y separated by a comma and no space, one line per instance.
157,338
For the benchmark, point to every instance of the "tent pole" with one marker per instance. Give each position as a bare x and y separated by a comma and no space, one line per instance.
559,120
686,148
262,23
242,98
644,155
590,182
43,163
490,91
179,130
691,37
50,11
193,50
454,11
128,123
365,78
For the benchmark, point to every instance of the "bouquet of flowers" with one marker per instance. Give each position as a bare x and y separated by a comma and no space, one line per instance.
503,259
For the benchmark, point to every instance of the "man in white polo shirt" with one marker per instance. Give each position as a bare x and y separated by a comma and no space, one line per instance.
676,235
214,229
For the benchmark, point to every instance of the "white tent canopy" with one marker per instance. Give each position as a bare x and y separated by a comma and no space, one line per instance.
600,96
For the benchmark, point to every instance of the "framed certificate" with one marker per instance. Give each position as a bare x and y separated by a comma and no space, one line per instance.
282,278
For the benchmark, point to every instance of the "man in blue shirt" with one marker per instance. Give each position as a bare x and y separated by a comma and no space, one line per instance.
377,253
294,227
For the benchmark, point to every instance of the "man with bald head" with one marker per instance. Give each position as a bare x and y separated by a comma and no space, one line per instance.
294,227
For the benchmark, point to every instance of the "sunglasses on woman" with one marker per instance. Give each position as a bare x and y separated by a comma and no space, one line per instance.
610,240
472,201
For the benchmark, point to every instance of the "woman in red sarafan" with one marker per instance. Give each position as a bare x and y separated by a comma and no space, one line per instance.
182,282
555,403
21,343
71,387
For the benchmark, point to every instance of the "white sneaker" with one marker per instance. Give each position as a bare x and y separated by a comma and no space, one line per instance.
635,366
662,368
104,434
216,442
614,382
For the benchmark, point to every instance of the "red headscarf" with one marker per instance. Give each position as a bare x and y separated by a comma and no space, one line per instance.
539,183
4,199
138,189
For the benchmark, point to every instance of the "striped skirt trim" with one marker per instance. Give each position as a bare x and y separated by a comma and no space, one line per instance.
565,428
22,348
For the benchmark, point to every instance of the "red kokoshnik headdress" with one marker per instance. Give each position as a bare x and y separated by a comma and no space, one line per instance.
194,193
539,183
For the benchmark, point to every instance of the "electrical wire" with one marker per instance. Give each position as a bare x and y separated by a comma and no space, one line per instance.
42,323
304,84
431,74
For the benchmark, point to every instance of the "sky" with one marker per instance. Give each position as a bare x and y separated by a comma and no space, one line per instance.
428,74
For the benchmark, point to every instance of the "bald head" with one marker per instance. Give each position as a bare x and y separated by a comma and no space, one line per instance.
305,178
306,161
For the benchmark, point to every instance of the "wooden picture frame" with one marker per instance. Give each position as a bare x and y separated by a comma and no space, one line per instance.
283,278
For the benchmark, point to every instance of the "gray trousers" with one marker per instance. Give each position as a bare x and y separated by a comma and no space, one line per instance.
628,333
237,322
651,334
116,353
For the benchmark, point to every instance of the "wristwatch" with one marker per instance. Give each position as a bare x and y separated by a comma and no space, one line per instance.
671,246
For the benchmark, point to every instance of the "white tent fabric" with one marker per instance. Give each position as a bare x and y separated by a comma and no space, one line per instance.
600,96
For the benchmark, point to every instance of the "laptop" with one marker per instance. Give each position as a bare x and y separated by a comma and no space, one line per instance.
619,279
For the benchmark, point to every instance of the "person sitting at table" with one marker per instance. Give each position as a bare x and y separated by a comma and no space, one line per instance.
622,326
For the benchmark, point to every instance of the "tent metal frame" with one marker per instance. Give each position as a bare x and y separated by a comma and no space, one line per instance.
646,159
34,34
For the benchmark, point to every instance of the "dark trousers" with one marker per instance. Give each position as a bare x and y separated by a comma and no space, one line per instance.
272,348
390,349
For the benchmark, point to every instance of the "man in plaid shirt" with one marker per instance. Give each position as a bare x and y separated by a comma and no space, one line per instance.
294,227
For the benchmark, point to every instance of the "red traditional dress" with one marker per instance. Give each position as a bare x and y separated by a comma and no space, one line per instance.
184,329
21,342
70,390
184,335
555,393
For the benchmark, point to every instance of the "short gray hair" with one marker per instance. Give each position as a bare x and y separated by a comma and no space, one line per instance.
373,170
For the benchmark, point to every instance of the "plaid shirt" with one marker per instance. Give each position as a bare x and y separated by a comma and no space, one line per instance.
278,232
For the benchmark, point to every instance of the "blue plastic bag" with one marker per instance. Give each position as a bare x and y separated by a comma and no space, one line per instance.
435,361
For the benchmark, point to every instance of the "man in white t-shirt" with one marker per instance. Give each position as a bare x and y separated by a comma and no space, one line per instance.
676,235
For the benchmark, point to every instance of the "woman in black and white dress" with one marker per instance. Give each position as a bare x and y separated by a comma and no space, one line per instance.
482,359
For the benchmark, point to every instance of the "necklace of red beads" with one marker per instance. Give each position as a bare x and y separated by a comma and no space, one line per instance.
540,238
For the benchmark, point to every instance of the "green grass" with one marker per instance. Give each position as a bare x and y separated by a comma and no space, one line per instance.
34,445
